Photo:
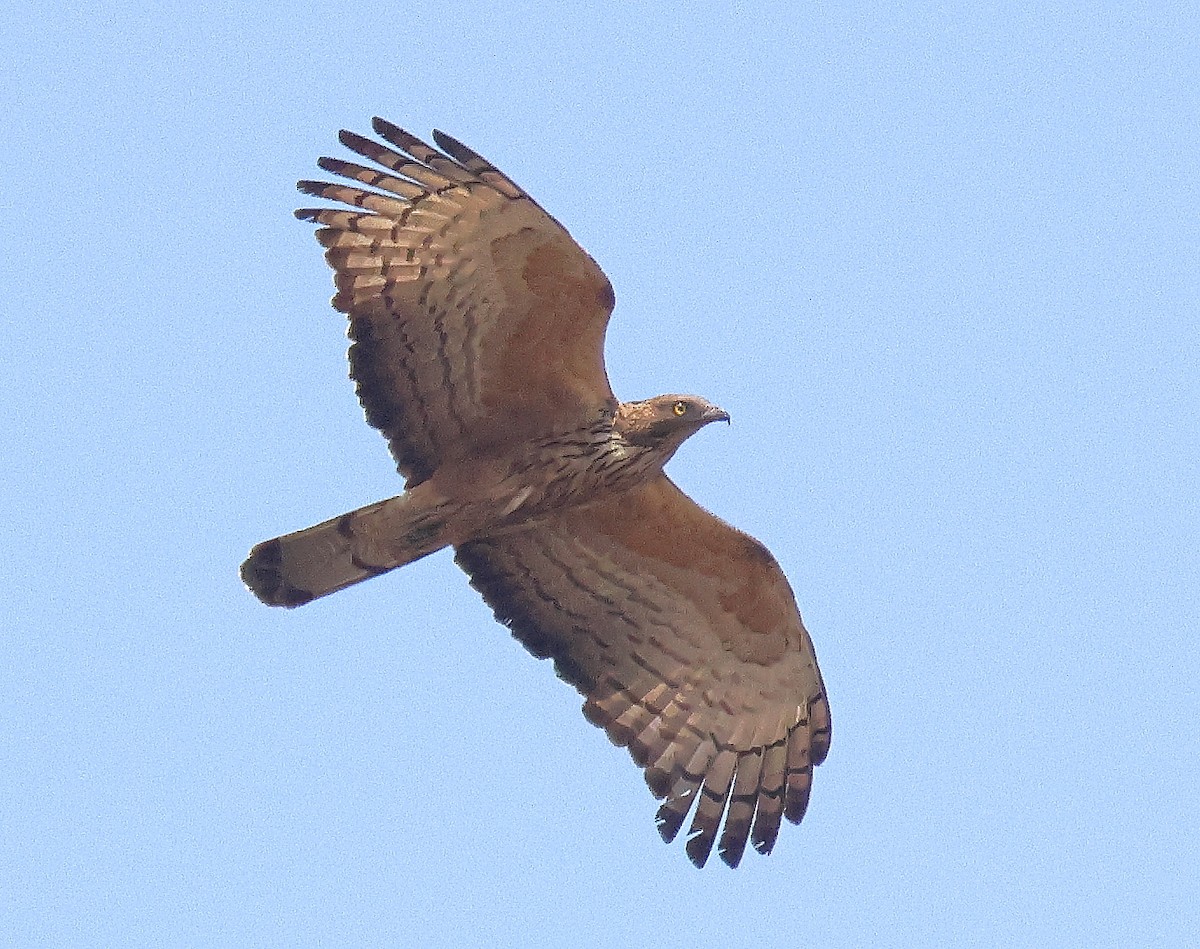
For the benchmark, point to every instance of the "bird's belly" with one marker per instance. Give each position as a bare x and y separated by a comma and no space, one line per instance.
540,490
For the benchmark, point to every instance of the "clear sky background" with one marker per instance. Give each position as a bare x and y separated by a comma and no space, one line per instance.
941,263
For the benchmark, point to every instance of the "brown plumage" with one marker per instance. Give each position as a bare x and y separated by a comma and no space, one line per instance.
478,350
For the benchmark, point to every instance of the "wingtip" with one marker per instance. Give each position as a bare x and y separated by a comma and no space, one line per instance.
731,856
453,147
699,847
313,188
669,821
387,130
796,804
763,847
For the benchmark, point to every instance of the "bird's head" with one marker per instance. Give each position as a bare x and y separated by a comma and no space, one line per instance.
665,421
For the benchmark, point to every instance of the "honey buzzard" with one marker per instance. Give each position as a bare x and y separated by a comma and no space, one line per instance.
478,350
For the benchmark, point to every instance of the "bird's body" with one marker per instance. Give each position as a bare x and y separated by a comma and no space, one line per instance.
487,494
478,329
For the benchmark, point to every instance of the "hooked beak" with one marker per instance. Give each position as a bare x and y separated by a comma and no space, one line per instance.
715,414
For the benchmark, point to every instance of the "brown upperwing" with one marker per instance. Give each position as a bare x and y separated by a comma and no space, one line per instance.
683,634
475,317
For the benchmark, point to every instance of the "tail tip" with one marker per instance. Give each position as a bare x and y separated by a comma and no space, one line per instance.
263,574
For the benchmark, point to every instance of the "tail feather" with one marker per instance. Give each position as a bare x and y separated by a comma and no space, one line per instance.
293,569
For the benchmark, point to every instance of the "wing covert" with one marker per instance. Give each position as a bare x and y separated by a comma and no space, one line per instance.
683,634
475,317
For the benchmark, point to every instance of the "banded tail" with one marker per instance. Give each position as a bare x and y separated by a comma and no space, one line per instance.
293,569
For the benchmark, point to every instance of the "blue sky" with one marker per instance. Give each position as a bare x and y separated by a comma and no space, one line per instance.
940,262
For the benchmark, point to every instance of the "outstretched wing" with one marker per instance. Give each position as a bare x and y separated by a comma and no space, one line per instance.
475,317
683,634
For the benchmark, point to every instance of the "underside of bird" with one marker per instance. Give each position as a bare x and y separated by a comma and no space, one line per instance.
477,327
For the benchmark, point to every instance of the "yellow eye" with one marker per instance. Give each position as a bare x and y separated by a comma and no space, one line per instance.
679,408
